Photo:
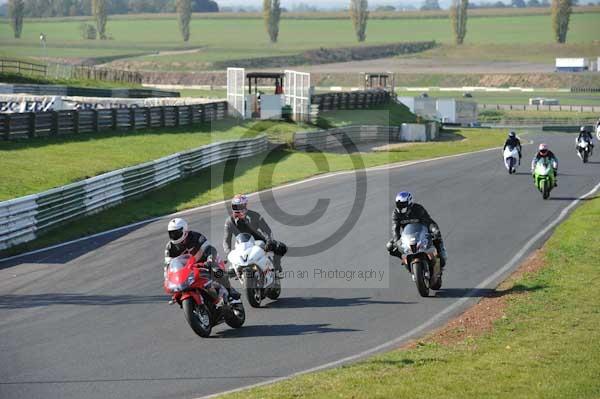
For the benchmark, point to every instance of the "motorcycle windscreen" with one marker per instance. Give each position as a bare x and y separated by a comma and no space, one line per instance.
179,263
244,240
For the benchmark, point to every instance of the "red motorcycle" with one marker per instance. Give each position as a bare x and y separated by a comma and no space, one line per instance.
192,287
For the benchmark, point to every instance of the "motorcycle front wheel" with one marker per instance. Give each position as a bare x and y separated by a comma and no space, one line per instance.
545,189
421,281
253,292
198,317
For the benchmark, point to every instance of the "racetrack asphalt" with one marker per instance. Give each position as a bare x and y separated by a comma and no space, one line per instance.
90,319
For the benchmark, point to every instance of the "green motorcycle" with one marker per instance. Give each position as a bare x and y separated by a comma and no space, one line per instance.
543,177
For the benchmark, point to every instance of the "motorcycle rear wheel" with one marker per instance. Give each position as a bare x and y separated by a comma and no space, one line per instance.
420,280
274,292
236,316
198,317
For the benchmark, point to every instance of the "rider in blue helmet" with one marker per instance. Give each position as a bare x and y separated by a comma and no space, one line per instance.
406,212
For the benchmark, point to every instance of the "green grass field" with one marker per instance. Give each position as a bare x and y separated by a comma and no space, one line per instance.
546,346
284,165
33,166
67,159
221,39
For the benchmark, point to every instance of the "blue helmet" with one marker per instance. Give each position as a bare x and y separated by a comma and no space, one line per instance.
404,201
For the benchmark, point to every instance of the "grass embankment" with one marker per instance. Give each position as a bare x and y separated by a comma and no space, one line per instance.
546,345
221,39
385,115
250,175
33,166
67,159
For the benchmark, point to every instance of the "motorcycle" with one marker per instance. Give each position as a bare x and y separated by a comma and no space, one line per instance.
249,262
583,149
543,177
420,258
204,304
598,132
511,159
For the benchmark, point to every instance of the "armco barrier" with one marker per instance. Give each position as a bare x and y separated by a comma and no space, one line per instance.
526,107
344,136
21,219
55,123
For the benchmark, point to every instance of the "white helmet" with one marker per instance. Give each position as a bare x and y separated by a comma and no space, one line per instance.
178,230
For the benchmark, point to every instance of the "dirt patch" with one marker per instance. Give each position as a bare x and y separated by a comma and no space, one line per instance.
480,318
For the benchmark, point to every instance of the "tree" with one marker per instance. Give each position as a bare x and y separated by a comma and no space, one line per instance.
16,9
184,13
99,12
518,3
534,3
359,11
458,17
561,12
430,5
204,6
271,16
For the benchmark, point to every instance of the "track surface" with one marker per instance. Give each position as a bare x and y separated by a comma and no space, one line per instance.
90,320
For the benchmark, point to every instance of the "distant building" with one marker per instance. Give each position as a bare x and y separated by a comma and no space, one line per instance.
572,65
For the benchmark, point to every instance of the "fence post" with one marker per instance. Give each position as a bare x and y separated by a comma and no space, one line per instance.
31,132
75,118
113,113
162,116
148,117
54,127
6,132
177,115
190,115
132,118
95,120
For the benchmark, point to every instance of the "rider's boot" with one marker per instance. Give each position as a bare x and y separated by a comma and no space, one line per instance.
234,294
441,249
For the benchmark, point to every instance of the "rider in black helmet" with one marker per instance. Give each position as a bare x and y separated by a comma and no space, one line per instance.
407,212
513,141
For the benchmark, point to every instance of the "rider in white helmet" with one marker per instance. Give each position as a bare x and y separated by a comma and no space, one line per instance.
182,240
545,153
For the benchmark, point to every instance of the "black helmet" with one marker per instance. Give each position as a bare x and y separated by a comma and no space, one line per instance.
512,135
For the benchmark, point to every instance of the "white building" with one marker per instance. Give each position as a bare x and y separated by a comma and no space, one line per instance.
572,65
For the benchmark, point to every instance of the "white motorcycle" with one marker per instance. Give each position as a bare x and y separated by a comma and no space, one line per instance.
584,150
420,258
252,266
511,159
598,132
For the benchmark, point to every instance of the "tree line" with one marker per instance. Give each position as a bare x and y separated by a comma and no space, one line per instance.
73,8
358,10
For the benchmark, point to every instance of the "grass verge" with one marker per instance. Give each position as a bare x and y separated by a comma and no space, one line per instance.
35,165
545,345
253,174
38,80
